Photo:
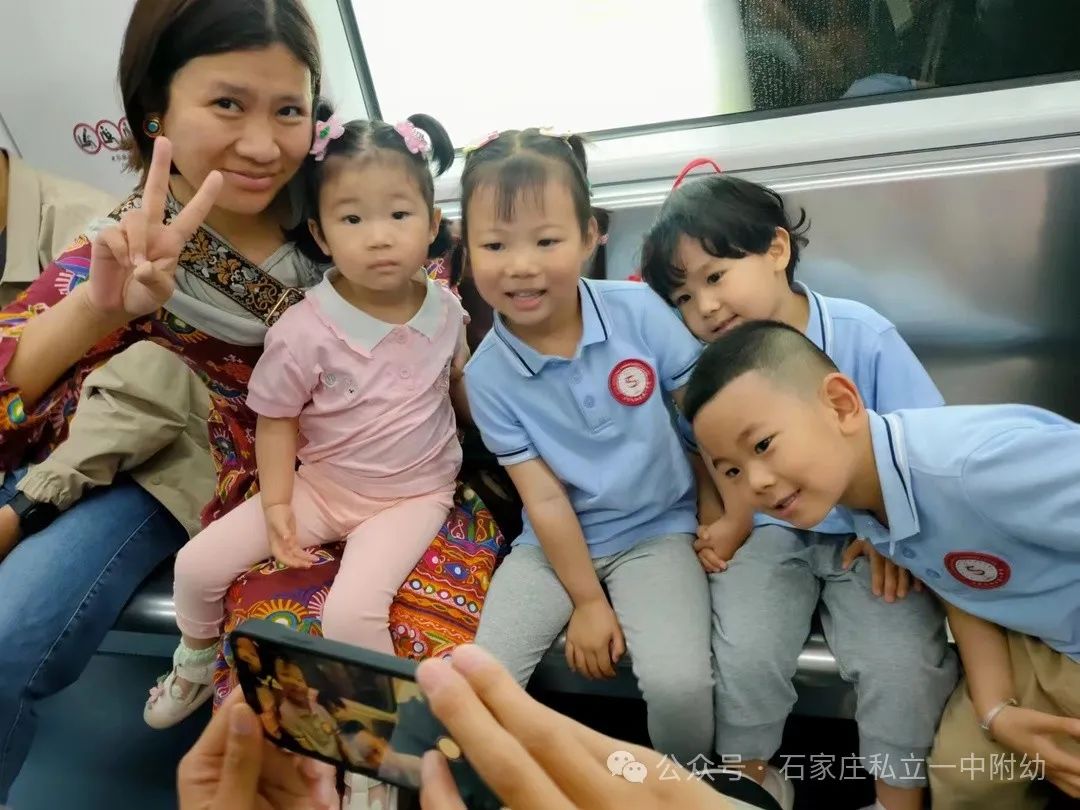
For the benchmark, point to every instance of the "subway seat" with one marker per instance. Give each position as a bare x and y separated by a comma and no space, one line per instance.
822,692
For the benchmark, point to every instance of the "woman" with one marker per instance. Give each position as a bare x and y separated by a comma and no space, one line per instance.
231,83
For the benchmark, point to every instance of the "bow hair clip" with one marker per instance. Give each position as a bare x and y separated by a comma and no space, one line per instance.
491,136
326,131
416,140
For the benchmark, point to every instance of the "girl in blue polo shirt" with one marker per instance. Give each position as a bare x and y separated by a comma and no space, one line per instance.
568,391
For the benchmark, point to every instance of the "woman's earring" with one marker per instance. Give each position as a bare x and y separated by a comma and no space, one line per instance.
152,126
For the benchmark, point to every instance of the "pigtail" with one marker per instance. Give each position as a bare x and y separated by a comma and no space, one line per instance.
443,242
598,267
308,180
577,145
457,263
442,148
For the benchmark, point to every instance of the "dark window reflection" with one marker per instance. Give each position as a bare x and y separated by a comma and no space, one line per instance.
811,51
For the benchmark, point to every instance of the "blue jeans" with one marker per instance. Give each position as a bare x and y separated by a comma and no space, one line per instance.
62,590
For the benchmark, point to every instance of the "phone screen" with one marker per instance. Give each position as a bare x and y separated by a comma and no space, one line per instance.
338,711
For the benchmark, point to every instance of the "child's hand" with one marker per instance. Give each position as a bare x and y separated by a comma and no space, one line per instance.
1038,736
888,580
133,263
284,545
594,640
717,543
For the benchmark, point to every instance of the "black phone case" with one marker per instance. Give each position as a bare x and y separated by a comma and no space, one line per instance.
417,729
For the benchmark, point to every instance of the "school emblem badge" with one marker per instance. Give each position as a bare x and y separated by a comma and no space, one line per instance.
978,570
632,382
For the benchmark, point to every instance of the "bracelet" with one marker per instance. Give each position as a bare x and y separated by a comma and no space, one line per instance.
991,715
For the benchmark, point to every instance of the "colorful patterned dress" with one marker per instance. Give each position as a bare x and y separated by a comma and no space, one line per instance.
439,603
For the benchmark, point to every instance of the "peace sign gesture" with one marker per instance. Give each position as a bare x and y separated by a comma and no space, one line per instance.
133,264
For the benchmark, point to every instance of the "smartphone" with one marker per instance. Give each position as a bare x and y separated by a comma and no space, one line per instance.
355,708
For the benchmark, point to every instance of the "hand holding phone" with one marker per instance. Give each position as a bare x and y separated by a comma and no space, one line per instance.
357,709
538,759
232,766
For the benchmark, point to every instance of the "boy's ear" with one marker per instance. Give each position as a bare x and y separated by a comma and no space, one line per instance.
780,250
592,236
841,397
317,235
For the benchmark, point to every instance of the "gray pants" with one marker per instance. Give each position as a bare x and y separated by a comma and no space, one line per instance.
661,597
895,654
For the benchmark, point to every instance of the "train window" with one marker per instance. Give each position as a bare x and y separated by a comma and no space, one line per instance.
813,51
597,65
585,65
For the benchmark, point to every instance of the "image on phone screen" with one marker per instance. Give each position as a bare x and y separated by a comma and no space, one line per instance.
335,711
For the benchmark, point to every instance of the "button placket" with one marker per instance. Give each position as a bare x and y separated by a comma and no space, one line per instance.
588,401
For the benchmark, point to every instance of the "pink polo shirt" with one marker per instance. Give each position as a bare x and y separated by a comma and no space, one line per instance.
373,398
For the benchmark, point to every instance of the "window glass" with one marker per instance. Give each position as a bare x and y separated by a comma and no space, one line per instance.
589,65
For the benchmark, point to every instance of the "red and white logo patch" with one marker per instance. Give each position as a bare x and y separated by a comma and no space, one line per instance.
978,570
632,382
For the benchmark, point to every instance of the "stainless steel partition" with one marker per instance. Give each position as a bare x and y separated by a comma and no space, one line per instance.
974,254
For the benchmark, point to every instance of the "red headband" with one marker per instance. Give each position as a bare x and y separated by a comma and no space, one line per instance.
696,163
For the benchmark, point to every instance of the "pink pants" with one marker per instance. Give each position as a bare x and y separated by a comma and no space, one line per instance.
386,538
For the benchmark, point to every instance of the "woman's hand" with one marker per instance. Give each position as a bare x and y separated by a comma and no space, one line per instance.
536,759
133,264
594,640
10,531
888,580
1038,736
284,544
231,767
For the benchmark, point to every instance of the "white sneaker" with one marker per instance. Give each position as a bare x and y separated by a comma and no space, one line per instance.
779,787
171,700
364,793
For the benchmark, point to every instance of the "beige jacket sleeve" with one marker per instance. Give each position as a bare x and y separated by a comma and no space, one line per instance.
45,214
143,413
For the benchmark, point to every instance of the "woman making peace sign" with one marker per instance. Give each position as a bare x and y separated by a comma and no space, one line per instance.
231,84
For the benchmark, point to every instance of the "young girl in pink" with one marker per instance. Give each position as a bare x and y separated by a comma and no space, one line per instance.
356,381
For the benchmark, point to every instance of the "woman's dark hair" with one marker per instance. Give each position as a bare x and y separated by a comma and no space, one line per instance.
164,35
731,217
369,138
520,161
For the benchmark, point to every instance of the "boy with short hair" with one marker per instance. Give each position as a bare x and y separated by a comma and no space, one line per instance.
980,502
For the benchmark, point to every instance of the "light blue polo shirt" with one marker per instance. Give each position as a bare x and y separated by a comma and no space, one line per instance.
983,505
598,420
867,347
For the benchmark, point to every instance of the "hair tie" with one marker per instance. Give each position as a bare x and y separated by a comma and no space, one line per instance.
326,131
416,140
696,163
491,136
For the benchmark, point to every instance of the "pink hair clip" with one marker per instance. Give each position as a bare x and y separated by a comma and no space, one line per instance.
603,240
491,136
416,140
326,131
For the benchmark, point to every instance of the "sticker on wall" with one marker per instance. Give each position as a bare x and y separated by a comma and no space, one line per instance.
86,138
109,134
125,130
